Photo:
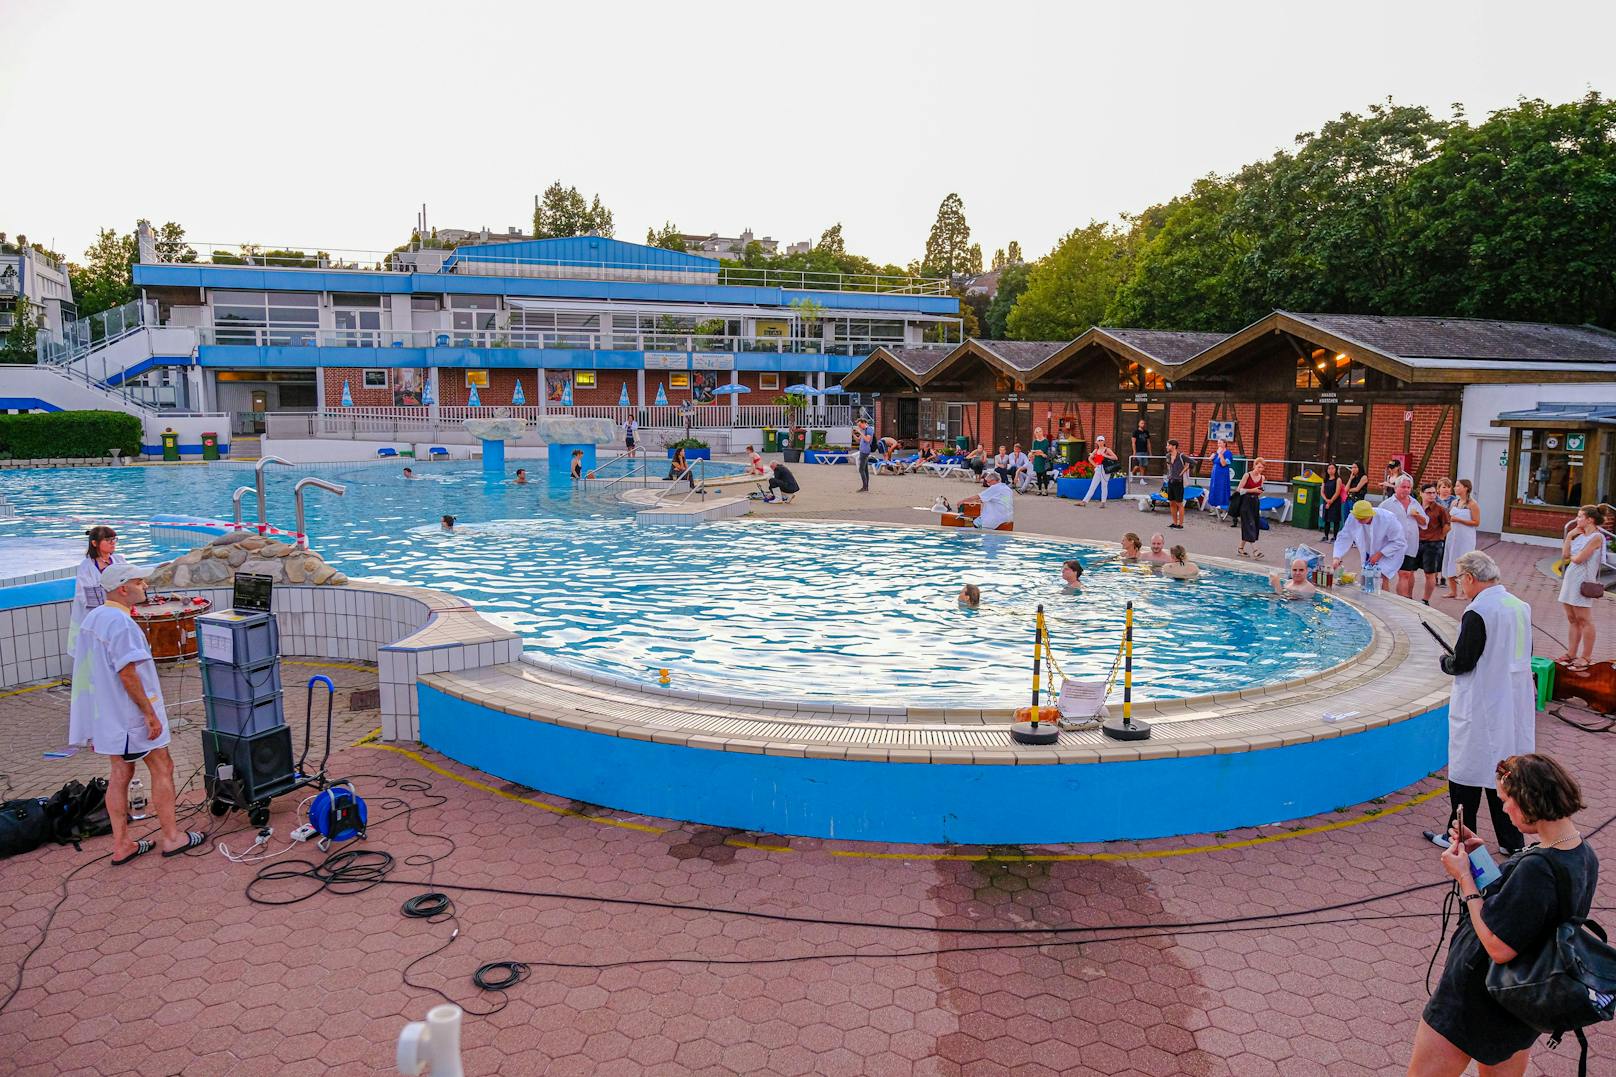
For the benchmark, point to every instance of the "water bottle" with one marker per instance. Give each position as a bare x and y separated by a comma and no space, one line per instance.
137,800
1368,578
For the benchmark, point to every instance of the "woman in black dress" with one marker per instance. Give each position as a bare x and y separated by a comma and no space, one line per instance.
1515,915
1332,497
1250,490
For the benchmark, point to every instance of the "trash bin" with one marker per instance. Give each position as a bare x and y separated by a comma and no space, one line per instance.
819,438
210,446
1075,451
771,440
171,445
799,439
1305,502
1237,470
962,444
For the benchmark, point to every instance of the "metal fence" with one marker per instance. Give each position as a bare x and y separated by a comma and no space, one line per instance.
446,423
283,336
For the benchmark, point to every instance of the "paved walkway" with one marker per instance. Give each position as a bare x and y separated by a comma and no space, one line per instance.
658,946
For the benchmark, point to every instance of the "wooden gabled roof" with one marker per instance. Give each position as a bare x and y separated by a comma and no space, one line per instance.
1014,358
1160,348
911,364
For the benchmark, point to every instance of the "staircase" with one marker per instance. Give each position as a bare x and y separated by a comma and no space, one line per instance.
246,446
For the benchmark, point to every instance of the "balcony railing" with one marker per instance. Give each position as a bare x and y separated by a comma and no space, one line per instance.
484,261
565,339
420,424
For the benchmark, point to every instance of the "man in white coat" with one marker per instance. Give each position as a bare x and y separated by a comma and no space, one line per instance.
1378,534
1492,713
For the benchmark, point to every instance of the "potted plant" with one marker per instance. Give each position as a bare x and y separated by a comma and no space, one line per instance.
695,449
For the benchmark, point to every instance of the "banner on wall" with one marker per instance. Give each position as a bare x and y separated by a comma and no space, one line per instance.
678,381
772,327
661,396
713,361
622,397
406,387
1220,430
666,361
702,384
558,387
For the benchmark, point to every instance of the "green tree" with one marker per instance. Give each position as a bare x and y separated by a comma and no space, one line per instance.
948,245
1012,254
666,237
1070,290
973,259
104,280
1186,270
830,240
998,258
1516,218
970,326
20,339
171,245
1012,282
563,212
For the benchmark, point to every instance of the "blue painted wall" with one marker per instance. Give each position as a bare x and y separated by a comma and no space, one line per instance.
35,594
245,356
25,403
937,803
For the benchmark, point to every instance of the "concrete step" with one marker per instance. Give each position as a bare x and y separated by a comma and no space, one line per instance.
246,446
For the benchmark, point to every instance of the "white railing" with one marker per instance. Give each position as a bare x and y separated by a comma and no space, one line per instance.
567,339
420,424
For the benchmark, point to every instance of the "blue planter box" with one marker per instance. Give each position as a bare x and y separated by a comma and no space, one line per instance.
1115,487
811,456
693,454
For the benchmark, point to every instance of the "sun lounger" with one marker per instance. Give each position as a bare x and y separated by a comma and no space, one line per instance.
1192,495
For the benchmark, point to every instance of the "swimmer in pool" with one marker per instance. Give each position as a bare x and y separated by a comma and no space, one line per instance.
521,476
448,522
970,596
1072,576
409,474
1297,586
577,464
1131,545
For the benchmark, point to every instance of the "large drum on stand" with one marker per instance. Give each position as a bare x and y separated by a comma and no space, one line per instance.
169,624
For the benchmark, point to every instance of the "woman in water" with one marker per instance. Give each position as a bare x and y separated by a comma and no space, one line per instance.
87,592
1181,567
448,522
1251,488
1465,515
577,464
1217,493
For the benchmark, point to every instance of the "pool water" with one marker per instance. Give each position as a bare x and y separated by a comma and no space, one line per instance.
827,611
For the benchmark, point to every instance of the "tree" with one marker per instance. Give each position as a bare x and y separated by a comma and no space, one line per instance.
21,338
1012,256
998,258
563,212
969,325
171,245
830,240
1187,267
666,237
1012,282
1070,290
947,247
973,259
104,281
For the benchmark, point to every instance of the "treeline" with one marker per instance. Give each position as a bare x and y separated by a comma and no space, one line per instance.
1393,211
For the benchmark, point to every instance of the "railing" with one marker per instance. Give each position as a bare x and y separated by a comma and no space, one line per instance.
544,339
483,259
97,330
419,424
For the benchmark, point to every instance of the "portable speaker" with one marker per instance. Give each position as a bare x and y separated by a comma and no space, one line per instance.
263,760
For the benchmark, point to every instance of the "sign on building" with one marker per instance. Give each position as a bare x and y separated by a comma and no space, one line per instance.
1220,430
667,361
712,361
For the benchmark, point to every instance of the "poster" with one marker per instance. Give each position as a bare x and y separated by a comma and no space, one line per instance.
771,327
477,378
678,381
702,384
768,380
583,379
558,387
406,387
1220,430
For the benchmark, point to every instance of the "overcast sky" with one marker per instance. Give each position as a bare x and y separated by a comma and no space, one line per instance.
327,124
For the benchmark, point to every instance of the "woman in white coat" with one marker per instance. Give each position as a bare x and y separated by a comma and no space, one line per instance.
87,592
1491,715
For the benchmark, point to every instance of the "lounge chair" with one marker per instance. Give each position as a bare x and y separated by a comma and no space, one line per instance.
386,450
1193,495
437,451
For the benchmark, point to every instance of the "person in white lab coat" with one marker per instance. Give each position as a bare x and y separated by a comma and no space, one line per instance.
1491,716
1378,534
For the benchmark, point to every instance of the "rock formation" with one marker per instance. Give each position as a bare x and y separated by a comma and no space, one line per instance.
217,563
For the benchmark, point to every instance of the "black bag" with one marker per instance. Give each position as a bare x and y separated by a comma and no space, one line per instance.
78,811
24,826
1568,984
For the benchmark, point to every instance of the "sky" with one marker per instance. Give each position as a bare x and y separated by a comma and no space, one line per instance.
327,125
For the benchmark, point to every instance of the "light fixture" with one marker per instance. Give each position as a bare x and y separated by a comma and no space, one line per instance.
1340,357
1321,365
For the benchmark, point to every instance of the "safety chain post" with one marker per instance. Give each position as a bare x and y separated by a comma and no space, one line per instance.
1127,729
1032,731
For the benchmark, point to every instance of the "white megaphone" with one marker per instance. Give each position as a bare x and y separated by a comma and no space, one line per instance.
432,1046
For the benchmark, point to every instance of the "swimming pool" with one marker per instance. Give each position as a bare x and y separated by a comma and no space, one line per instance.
826,611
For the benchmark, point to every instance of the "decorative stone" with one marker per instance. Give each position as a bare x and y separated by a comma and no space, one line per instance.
218,551
217,562
253,542
503,429
277,549
210,571
294,569
567,430
235,556
338,579
322,574
261,567
231,538
181,576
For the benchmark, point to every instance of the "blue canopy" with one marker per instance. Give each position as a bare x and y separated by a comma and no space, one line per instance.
805,390
730,389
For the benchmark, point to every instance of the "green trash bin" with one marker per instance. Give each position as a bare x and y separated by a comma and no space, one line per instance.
1543,674
210,446
771,440
962,444
1305,502
171,445
1075,450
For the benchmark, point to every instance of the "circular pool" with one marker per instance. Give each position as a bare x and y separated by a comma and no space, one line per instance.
820,611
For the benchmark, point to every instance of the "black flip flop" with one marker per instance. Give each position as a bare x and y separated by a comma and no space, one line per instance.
194,839
142,847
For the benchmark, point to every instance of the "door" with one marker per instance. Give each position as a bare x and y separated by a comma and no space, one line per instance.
908,420
1349,433
1488,472
1128,416
1013,423
1327,434
260,404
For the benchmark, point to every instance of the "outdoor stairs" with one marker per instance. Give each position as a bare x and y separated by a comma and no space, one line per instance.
246,447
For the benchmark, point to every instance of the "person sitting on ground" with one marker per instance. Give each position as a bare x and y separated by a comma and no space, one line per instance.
998,506
117,710
970,596
1072,574
1378,534
754,462
577,464
1297,585
1132,544
1157,554
783,480
678,469
521,476
448,522
1180,567
410,474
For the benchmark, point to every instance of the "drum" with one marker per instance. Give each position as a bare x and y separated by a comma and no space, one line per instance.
169,624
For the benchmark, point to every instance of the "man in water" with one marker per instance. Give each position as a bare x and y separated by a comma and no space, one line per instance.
997,501
970,596
784,481
521,476
448,522
1378,534
1157,554
1297,586
410,474
1072,574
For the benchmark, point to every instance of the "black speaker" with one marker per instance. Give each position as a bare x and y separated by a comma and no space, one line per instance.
262,761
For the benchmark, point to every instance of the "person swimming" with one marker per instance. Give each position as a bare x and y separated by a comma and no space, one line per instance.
1072,574
448,522
410,474
970,596
521,476
577,463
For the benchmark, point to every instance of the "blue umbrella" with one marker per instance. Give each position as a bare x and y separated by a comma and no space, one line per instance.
428,397
474,401
518,398
661,396
347,397
802,390
730,389
827,390
622,397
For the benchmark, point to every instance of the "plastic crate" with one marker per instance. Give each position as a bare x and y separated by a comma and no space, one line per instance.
234,684
247,640
245,719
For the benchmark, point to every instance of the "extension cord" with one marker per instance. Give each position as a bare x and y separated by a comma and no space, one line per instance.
304,833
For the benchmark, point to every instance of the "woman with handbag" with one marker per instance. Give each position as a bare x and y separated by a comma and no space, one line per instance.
1515,916
1579,584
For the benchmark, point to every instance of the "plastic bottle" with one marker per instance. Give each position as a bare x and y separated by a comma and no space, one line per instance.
137,800
1368,578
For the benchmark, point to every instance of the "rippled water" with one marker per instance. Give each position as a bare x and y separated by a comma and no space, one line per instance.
825,610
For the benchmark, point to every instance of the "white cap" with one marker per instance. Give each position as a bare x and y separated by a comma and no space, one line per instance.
1099,437
116,575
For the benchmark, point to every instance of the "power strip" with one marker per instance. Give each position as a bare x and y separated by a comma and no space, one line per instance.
304,833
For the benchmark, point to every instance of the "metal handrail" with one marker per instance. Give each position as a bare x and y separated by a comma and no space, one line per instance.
235,500
258,482
297,497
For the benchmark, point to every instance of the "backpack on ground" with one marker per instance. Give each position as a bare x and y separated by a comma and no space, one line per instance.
78,811
24,826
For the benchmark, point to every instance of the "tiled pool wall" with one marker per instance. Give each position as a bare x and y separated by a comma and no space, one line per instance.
406,631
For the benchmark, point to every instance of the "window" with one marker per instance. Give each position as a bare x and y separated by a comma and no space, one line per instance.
358,320
1322,370
1134,378
475,317
769,380
375,379
1550,467
266,318
426,302
554,328
583,379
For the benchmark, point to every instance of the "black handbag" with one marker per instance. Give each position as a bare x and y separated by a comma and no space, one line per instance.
1568,984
